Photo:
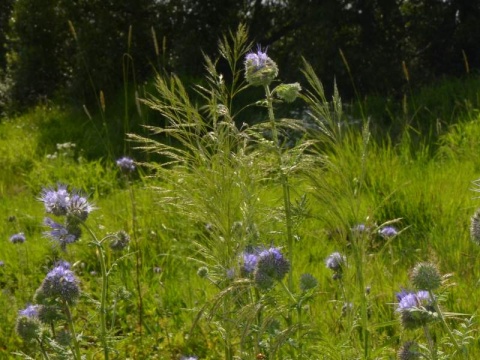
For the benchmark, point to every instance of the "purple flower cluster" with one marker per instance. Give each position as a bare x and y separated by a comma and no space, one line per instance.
73,206
31,311
415,308
249,262
18,238
271,266
265,265
388,231
336,262
61,202
61,233
126,164
257,59
60,283
55,201
28,325
409,300
260,70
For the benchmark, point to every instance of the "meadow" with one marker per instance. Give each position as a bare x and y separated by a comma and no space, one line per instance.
337,231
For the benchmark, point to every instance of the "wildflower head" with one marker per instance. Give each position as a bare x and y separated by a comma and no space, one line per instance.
288,92
249,263
202,271
49,313
414,308
55,201
60,283
28,326
62,234
475,227
409,351
120,241
31,311
260,70
271,266
78,208
336,262
308,282
17,238
426,276
388,231
126,164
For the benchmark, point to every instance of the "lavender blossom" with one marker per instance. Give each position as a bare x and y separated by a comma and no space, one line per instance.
60,283
415,309
78,207
31,311
260,70
388,231
126,164
271,266
61,234
17,238
335,262
55,201
249,263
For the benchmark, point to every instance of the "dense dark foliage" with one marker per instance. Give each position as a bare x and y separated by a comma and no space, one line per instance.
79,47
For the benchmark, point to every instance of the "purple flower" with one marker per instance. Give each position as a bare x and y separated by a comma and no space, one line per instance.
17,238
258,59
408,300
62,234
31,311
249,262
271,266
2,263
359,228
388,231
78,207
60,202
55,201
260,70
126,164
61,283
335,261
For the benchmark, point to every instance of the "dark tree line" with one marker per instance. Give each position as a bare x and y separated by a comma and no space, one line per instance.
73,47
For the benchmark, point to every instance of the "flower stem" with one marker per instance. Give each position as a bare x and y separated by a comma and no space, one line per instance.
103,300
444,323
284,182
76,346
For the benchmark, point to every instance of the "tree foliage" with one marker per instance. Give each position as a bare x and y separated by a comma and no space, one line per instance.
79,47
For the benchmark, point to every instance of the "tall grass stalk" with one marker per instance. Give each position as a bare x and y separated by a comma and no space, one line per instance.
100,253
284,183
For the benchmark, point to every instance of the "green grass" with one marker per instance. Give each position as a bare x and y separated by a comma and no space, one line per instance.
225,191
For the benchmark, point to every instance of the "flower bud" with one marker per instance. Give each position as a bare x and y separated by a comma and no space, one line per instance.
409,351
288,92
475,227
425,276
260,70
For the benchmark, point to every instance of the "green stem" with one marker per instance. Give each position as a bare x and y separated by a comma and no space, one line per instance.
284,182
103,301
138,257
444,323
42,349
431,344
76,346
